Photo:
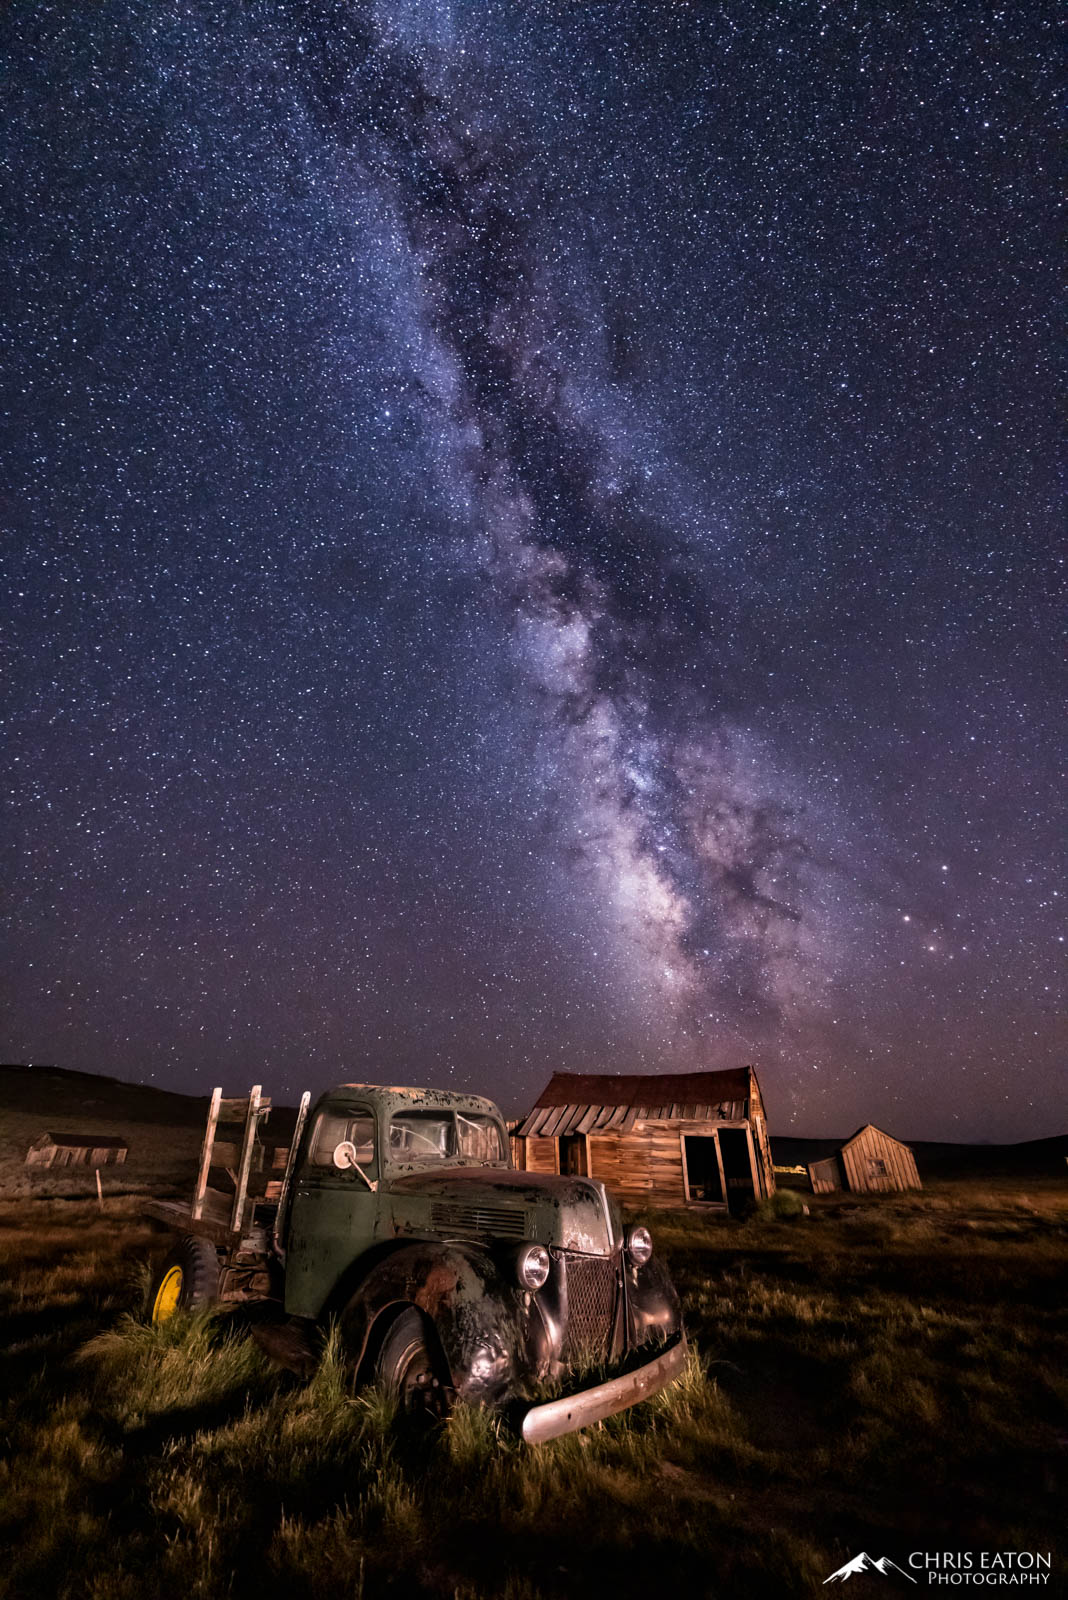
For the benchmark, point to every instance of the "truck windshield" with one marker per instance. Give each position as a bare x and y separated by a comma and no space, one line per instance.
480,1138
438,1135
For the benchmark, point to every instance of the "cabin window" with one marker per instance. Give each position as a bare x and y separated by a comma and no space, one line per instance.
876,1168
335,1127
702,1169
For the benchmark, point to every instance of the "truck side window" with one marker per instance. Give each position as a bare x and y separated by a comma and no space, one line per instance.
333,1127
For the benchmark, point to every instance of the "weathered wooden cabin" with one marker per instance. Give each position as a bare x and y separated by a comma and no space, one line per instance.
76,1150
870,1162
679,1139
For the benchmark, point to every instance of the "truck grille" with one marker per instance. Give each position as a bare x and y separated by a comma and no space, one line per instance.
478,1222
591,1305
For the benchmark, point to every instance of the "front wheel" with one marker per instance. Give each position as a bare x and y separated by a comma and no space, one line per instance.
187,1281
408,1370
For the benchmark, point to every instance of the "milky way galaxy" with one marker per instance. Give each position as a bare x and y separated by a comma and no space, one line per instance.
533,545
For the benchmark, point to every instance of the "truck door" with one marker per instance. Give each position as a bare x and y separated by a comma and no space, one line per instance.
333,1214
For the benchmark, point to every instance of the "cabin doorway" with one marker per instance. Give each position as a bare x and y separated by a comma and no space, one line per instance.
702,1169
737,1168
573,1155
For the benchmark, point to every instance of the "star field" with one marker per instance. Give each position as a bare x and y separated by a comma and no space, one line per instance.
532,542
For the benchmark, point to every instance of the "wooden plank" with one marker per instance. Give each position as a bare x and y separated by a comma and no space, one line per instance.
235,1110
722,1169
557,1122
205,1153
754,1173
227,1153
571,1115
241,1187
541,1154
685,1169
587,1119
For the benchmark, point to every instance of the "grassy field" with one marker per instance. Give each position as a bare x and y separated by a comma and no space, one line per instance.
883,1375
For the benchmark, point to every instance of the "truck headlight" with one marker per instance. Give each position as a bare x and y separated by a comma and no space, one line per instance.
639,1245
532,1266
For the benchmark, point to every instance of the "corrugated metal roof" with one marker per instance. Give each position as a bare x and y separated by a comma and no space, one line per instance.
596,1103
652,1089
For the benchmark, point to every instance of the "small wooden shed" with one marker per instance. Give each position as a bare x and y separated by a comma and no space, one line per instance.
77,1150
675,1139
870,1162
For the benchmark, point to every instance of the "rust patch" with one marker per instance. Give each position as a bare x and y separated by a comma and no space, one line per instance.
440,1282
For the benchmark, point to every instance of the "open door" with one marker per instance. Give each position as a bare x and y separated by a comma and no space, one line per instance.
703,1174
573,1155
737,1168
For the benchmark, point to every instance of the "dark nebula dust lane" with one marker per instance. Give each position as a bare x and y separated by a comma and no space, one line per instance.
532,543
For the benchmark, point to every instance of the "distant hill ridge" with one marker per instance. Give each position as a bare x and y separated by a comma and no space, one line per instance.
38,1090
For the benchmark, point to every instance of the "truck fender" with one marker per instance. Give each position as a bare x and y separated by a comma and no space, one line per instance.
653,1306
478,1317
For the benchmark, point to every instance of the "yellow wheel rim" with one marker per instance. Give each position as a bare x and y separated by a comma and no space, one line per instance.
167,1296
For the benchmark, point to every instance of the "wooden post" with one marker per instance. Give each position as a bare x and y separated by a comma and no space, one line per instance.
99,1189
205,1154
247,1143
722,1171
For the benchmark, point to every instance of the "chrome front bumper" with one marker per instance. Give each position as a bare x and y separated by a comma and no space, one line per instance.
605,1399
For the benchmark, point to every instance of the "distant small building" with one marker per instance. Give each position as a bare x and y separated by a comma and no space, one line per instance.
77,1150
870,1162
673,1139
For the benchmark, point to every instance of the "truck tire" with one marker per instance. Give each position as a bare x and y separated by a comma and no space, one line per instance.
409,1368
187,1281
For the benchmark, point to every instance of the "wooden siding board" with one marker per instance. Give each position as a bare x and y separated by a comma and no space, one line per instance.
640,1169
541,1155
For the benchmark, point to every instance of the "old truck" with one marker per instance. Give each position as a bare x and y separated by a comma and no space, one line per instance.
450,1275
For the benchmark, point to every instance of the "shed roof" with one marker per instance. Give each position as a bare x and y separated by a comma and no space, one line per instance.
596,1102
881,1131
88,1141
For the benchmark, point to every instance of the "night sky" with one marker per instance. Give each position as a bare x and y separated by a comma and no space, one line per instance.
533,542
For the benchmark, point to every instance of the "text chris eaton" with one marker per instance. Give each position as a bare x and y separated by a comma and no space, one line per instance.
983,1566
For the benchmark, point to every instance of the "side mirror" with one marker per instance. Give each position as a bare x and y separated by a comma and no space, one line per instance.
344,1159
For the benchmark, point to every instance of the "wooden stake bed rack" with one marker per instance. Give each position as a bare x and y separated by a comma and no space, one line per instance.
213,1214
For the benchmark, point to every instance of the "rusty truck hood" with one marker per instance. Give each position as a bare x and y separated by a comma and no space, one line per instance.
545,1208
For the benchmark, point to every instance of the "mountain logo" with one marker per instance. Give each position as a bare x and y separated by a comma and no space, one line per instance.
866,1563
